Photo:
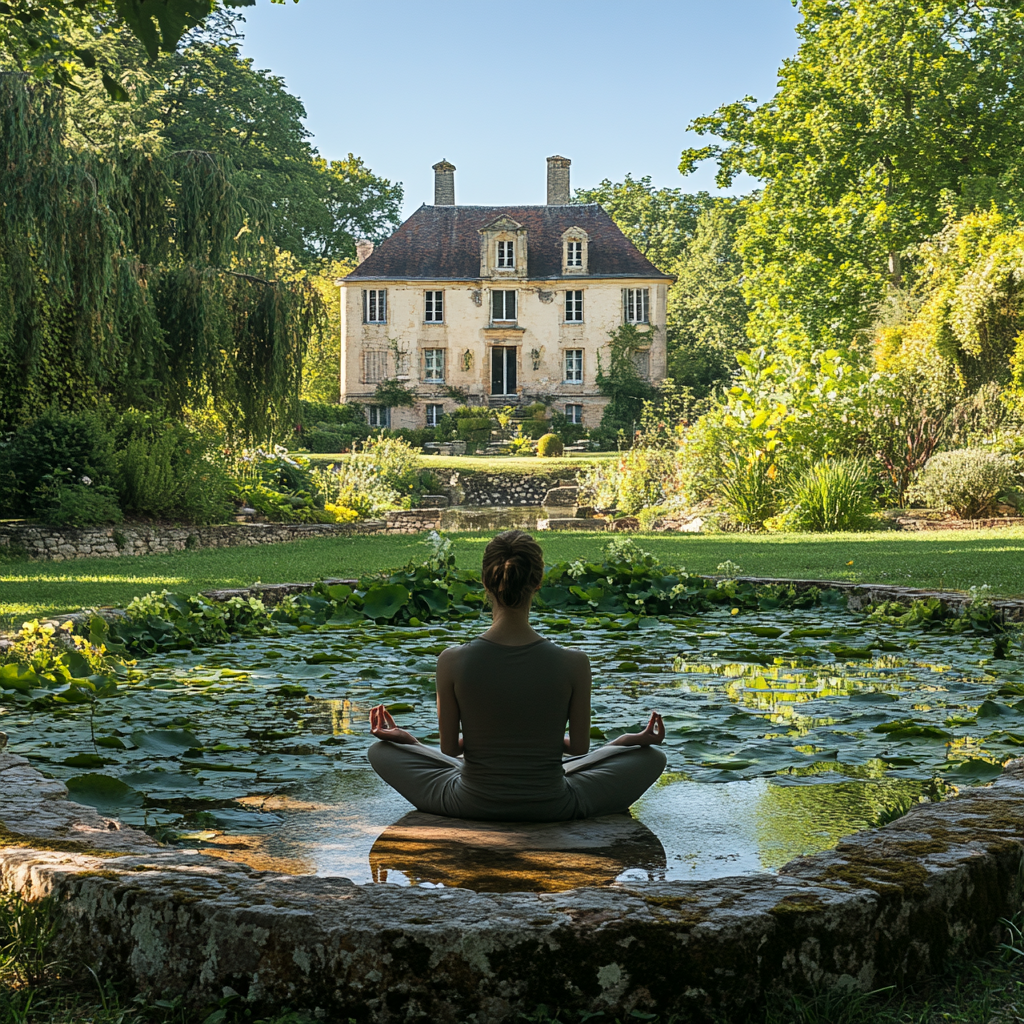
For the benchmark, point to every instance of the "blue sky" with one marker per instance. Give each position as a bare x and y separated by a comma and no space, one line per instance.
495,88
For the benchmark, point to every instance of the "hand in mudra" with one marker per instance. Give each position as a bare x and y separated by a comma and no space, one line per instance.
653,734
383,726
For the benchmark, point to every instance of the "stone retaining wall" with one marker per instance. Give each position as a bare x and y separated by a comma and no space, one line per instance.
887,907
497,488
48,544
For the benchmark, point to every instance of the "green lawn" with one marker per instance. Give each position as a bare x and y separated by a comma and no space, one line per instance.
952,560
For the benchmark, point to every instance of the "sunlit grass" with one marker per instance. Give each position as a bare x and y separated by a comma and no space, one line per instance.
941,560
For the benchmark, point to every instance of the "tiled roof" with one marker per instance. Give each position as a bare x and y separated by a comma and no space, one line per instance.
443,243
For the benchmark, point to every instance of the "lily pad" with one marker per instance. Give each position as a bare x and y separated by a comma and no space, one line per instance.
103,792
169,742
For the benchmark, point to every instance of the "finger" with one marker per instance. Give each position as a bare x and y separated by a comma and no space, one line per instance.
389,718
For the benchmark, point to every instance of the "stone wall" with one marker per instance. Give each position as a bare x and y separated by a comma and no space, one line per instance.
497,488
887,907
48,544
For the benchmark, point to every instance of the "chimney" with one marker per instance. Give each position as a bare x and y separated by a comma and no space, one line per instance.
364,249
444,184
558,180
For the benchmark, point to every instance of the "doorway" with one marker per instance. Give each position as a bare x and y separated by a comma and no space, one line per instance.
503,370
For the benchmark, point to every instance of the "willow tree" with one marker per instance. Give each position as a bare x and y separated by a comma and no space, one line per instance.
141,279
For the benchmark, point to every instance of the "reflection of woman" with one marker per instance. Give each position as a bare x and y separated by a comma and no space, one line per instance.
512,692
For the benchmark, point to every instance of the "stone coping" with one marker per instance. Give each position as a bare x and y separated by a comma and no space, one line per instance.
887,906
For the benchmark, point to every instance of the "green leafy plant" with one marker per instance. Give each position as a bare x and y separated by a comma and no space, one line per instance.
550,447
747,493
833,495
28,932
967,482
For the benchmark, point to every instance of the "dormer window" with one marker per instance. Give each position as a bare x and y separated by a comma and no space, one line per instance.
575,242
506,255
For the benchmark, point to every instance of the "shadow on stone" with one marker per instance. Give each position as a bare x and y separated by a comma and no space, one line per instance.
517,857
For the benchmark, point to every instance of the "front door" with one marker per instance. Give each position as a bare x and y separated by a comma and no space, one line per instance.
503,370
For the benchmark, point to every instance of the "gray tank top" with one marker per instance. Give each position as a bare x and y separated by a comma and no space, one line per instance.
514,705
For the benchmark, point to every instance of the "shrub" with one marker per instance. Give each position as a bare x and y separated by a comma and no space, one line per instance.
165,469
570,433
61,469
966,482
521,444
535,429
747,493
834,495
550,446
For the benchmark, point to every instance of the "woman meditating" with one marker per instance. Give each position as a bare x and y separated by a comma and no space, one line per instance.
511,692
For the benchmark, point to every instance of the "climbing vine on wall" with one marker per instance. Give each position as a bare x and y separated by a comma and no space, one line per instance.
140,279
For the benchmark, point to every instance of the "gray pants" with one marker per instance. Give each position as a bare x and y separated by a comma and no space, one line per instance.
605,781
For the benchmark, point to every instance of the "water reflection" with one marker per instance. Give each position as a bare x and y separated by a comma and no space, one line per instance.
494,857
349,823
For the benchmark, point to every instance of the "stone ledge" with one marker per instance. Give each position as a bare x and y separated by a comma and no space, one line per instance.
860,595
888,906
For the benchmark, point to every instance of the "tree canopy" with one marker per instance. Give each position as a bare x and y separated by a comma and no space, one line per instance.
889,118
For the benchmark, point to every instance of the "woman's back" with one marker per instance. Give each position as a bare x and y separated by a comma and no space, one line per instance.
514,704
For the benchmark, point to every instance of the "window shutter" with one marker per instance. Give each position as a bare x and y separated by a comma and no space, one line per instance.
496,305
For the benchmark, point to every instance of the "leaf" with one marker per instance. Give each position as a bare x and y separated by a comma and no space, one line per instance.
103,792
990,709
771,632
169,742
111,743
975,770
396,708
84,761
385,602
115,90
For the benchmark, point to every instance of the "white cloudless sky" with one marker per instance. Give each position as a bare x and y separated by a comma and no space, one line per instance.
497,87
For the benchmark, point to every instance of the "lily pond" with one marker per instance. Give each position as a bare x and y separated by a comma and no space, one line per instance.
786,731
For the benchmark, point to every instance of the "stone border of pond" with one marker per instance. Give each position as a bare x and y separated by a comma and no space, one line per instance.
888,906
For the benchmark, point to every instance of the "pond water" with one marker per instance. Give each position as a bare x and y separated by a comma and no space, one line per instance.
786,731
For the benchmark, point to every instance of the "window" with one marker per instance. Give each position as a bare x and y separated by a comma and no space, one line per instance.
574,413
433,365
433,312
574,254
378,415
642,362
375,367
637,303
506,255
503,305
574,307
375,306
574,365
434,414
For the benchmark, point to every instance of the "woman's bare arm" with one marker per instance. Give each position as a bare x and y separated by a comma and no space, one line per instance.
579,706
448,716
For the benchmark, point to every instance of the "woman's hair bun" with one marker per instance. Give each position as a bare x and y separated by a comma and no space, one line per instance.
513,568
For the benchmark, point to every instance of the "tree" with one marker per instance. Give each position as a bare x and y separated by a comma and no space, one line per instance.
691,237
889,116
131,278
707,314
659,222
207,97
42,38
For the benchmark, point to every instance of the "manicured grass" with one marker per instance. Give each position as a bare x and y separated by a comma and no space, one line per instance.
495,464
949,560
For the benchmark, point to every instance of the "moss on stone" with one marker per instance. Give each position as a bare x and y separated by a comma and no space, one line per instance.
797,904
17,840
884,875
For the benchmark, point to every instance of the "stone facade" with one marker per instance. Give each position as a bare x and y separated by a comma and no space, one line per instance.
887,907
421,307
48,544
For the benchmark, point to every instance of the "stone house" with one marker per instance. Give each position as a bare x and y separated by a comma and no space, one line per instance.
505,304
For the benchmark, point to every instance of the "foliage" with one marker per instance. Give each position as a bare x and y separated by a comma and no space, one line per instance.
164,469
520,444
707,314
41,38
967,482
550,446
28,933
394,394
279,485
831,496
139,277
567,433
61,469
888,116
746,492
622,383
